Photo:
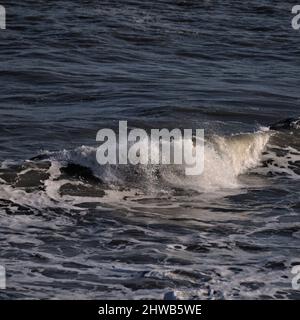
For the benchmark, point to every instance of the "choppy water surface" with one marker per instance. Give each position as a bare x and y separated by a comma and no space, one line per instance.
70,228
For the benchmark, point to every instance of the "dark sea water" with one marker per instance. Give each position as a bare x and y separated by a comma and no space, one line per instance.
72,229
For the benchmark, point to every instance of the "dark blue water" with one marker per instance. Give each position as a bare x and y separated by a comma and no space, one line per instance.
69,69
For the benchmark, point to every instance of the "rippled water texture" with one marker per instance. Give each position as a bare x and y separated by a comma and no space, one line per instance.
72,229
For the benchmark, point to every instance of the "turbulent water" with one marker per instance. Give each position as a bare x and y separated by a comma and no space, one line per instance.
70,228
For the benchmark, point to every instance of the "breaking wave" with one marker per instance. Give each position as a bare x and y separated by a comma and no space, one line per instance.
67,178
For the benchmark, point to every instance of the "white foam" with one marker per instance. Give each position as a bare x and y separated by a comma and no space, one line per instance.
225,159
